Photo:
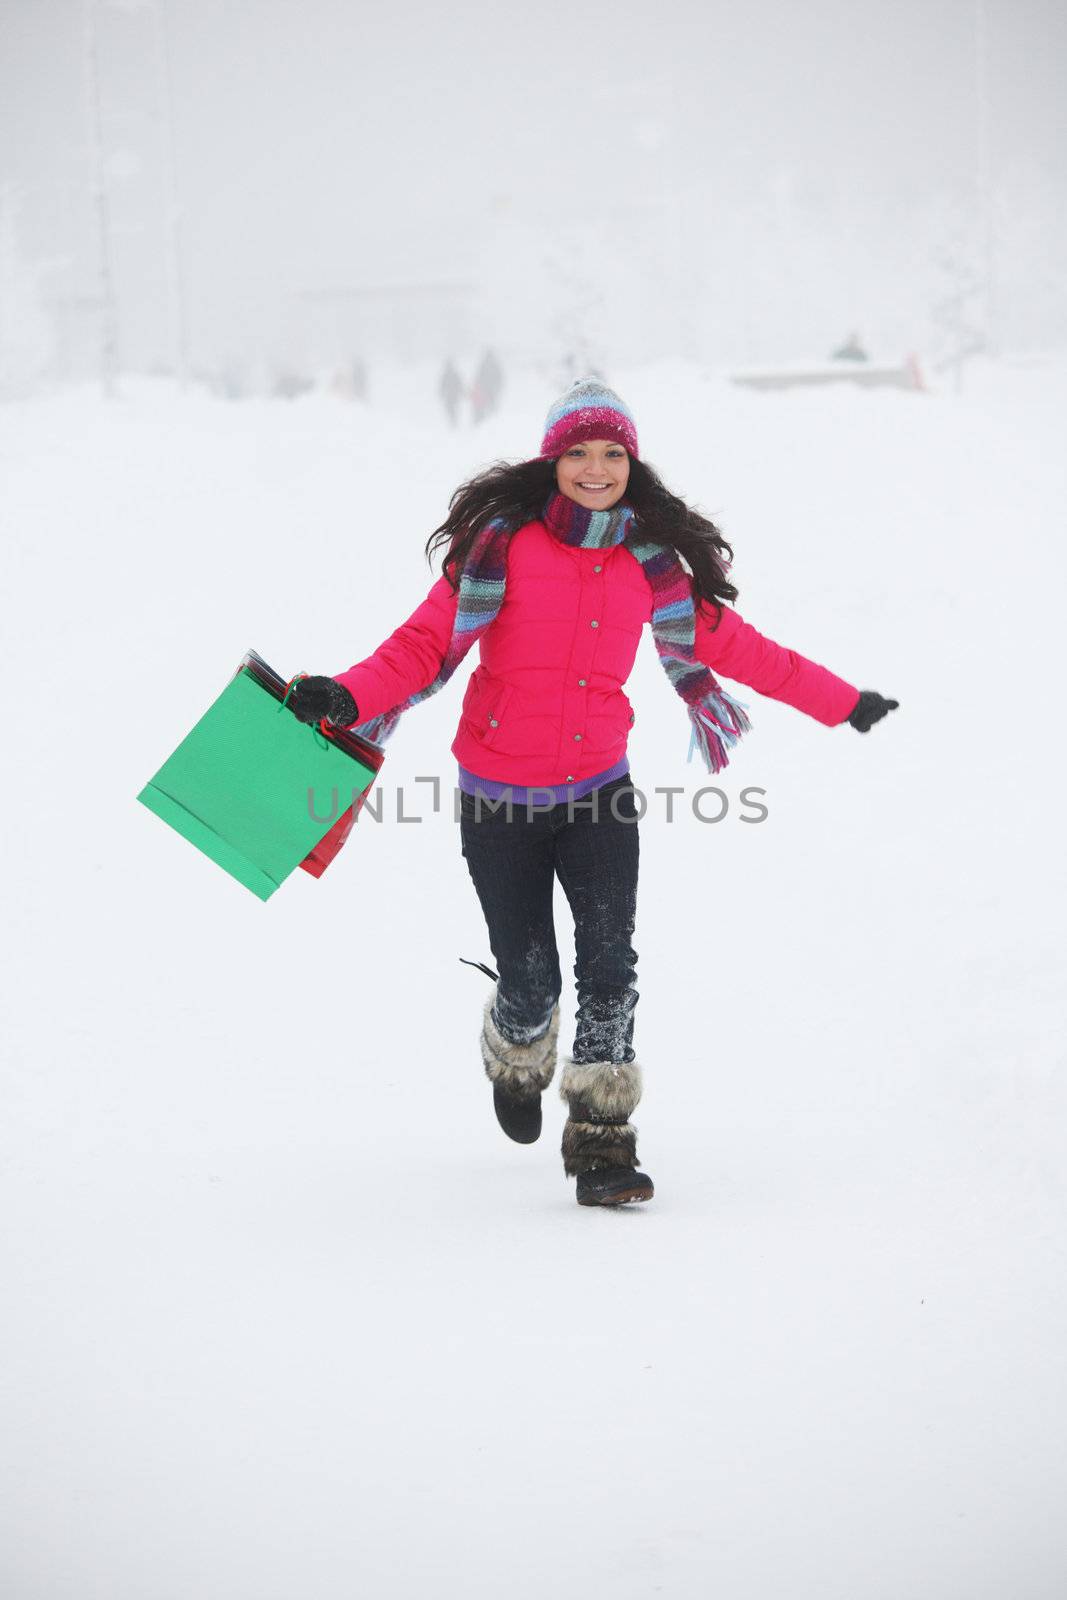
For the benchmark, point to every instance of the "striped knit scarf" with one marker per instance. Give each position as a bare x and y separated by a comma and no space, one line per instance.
717,719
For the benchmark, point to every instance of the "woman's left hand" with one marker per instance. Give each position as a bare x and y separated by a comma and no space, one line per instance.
869,709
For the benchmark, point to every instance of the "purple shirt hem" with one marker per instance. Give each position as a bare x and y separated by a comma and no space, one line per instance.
560,793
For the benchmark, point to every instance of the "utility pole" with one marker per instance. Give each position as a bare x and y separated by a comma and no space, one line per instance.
172,209
983,175
98,191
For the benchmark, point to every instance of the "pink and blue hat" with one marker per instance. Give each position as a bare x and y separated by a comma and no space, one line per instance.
589,410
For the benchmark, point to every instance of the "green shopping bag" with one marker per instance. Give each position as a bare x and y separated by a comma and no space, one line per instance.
253,788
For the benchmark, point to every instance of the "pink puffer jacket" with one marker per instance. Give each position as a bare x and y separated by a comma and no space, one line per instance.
546,705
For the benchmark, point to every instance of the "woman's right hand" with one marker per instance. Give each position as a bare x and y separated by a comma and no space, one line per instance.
312,699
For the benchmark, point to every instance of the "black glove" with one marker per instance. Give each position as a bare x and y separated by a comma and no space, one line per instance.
869,709
314,698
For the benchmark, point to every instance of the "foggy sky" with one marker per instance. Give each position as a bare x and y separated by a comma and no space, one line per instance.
321,143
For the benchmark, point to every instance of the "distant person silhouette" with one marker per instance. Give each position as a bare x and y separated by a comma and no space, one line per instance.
487,387
450,388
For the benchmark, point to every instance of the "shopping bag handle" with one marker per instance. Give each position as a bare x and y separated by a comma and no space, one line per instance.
325,733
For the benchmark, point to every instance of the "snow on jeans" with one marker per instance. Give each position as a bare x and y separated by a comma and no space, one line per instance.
513,857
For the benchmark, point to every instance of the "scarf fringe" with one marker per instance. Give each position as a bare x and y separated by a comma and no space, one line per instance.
718,721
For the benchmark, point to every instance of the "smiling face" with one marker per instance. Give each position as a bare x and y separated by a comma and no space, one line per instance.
594,473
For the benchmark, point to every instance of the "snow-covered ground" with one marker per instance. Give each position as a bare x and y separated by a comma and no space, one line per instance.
284,1314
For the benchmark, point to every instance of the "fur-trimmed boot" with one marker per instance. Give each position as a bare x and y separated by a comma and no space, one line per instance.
518,1073
599,1140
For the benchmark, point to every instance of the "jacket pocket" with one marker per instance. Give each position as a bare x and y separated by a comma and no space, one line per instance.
487,710
609,720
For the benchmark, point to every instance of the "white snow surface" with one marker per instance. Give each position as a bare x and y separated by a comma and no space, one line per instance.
285,1314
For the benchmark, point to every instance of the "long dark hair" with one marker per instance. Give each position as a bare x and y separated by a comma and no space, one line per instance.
518,493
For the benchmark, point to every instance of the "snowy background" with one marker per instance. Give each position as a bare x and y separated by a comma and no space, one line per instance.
284,1313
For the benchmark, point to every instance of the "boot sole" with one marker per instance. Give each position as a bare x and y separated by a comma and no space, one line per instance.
515,1138
528,1135
621,1198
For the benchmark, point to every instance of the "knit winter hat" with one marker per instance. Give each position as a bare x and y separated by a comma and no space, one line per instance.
589,410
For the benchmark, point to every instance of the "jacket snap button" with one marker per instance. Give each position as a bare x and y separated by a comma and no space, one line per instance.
570,777
598,568
581,683
577,736
493,723
594,624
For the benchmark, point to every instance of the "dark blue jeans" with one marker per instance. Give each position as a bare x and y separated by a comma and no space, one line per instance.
514,859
